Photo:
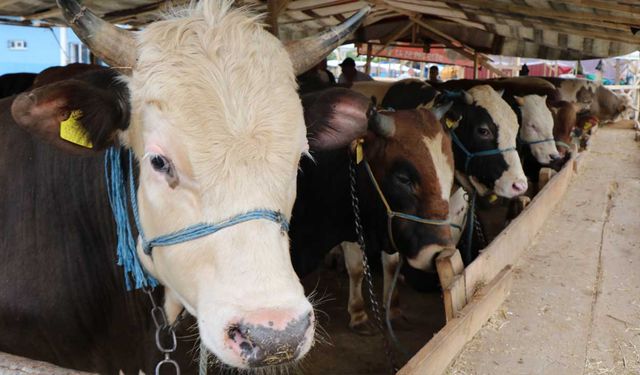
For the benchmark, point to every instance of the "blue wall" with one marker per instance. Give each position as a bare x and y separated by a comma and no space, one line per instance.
42,50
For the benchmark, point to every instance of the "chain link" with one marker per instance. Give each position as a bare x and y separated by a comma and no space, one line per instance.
477,226
166,340
375,307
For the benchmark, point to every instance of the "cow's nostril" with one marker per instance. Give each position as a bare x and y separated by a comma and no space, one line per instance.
519,186
269,344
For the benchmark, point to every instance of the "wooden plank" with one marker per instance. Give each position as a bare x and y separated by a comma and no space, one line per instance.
449,265
454,298
602,5
514,239
583,17
450,270
11,364
434,358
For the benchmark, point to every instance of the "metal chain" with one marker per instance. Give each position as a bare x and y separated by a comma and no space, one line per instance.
165,334
478,228
377,312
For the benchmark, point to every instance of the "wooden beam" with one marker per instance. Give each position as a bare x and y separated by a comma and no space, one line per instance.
475,66
506,248
11,364
549,13
451,275
367,67
317,4
49,13
393,37
453,43
274,8
602,5
434,358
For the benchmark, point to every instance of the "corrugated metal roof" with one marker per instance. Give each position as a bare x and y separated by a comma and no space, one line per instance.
549,29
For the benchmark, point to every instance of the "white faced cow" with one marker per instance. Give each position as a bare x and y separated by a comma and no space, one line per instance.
197,109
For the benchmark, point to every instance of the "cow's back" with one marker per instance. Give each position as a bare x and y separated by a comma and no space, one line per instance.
15,83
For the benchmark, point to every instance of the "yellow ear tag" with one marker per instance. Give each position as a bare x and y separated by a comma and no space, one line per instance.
359,151
72,130
493,198
587,126
450,123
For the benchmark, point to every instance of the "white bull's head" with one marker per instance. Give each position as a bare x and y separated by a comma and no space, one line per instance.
536,128
209,107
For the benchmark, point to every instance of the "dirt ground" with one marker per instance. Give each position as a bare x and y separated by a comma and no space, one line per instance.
575,304
345,352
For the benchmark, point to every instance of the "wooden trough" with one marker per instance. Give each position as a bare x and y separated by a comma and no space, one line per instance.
473,294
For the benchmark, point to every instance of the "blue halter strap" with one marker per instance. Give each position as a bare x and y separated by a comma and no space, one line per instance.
391,213
127,256
470,155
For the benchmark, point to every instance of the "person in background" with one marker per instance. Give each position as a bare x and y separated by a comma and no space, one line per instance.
433,74
350,74
316,78
524,71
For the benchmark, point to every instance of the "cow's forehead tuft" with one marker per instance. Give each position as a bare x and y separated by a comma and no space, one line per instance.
502,115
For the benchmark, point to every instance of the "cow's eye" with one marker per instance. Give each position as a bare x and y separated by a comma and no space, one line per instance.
484,131
403,179
161,164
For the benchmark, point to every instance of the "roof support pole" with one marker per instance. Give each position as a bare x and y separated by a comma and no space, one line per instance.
274,8
367,67
475,65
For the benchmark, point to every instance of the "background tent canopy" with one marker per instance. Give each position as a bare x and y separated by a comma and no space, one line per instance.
547,29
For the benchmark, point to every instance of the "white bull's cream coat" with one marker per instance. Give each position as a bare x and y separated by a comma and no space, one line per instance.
202,95
537,125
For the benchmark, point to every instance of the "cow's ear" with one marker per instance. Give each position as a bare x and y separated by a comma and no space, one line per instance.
335,117
80,115
439,111
519,100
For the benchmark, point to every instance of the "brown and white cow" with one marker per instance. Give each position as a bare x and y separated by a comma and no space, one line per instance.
409,155
195,106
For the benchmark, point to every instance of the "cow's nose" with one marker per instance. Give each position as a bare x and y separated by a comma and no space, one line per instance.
519,187
269,338
555,157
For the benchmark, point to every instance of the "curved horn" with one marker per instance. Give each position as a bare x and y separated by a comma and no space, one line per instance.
110,43
306,53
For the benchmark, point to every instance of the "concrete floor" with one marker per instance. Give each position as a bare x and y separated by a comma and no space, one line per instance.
575,304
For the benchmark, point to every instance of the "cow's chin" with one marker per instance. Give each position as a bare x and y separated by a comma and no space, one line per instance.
276,337
425,259
543,152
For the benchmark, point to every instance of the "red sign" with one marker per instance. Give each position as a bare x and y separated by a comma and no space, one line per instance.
435,55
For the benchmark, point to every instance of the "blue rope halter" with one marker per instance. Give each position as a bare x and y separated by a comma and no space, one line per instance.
391,213
127,256
470,155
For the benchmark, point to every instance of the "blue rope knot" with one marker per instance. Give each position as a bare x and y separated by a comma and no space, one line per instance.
470,155
126,248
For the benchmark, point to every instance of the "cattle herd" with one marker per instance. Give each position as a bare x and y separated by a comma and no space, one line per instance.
206,101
